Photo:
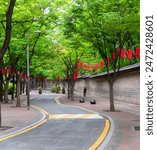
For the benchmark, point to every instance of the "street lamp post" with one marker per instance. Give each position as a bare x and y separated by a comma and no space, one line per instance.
28,90
28,74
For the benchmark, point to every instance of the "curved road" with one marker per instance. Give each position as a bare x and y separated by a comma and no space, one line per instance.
66,128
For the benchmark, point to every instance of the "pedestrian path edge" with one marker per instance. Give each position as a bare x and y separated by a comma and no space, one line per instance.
40,119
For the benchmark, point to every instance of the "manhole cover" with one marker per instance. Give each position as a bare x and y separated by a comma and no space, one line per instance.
136,120
136,128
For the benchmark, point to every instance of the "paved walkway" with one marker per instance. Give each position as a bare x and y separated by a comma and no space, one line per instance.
126,117
17,118
14,116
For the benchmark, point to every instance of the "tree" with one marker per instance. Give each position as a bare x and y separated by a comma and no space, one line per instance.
6,42
24,19
106,25
26,24
71,62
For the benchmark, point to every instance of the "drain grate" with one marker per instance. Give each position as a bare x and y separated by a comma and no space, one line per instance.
137,128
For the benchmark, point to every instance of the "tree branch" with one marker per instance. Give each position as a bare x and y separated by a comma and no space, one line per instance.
9,14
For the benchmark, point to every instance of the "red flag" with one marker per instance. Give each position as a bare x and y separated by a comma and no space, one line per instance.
44,78
59,78
123,53
96,66
80,64
88,67
38,78
8,70
21,74
25,75
85,66
3,71
137,53
114,55
93,67
75,74
102,64
129,54
74,77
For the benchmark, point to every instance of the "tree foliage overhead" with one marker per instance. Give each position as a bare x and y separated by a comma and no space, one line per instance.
95,28
104,23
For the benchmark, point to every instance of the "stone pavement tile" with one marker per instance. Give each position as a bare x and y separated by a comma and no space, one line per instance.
124,136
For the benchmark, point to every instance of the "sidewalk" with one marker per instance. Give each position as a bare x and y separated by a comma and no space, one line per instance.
17,118
126,118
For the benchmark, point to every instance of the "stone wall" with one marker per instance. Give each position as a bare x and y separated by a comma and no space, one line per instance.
126,87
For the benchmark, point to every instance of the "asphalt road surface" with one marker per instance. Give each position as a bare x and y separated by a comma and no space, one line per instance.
66,128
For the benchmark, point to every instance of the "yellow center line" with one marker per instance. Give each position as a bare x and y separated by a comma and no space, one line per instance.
44,111
61,116
68,116
102,136
52,117
55,116
85,115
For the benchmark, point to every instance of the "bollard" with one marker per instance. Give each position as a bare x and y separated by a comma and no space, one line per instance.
93,101
82,100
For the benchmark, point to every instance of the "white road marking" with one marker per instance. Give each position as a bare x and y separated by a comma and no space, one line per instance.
75,116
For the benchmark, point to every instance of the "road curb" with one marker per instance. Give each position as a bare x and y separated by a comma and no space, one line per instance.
109,134
19,130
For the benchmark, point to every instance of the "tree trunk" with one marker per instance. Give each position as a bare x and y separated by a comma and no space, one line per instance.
72,91
6,92
112,108
68,90
45,84
42,85
21,87
18,104
12,94
1,87
32,86
0,115
1,96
